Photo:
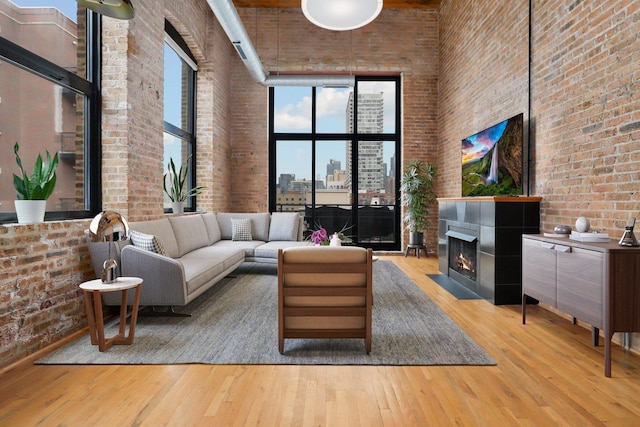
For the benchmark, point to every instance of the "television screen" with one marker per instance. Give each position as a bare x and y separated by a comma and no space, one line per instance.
492,160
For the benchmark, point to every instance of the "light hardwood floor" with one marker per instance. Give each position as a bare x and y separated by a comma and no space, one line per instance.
547,374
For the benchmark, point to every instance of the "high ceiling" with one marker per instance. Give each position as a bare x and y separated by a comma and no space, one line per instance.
389,4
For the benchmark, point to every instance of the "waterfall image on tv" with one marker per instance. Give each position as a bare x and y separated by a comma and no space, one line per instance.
492,160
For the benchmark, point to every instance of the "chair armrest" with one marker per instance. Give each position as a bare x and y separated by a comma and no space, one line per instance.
164,279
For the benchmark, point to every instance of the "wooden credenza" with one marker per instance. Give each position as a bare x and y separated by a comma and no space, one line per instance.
597,283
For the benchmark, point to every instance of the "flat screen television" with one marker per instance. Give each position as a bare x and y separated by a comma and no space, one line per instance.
492,160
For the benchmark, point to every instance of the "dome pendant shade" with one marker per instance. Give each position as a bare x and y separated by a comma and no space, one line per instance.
341,15
119,9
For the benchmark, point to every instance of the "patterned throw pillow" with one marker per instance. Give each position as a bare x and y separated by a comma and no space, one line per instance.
241,229
147,242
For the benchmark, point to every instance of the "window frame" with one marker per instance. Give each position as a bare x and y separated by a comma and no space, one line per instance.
187,134
89,87
354,137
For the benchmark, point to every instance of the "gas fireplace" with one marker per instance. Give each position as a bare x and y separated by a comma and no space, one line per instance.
462,257
480,243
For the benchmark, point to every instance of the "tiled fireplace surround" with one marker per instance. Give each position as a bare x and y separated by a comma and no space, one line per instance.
495,226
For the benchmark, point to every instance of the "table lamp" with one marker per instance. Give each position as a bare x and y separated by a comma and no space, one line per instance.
109,227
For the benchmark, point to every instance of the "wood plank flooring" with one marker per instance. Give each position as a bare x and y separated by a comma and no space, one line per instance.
547,374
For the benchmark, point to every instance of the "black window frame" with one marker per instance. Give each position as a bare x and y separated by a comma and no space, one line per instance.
88,87
312,136
188,134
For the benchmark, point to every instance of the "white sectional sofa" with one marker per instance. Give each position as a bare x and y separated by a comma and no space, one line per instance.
180,257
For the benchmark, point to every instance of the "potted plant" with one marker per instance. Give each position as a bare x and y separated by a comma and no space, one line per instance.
34,190
418,194
177,191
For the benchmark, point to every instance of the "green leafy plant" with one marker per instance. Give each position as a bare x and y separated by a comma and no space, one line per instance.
177,192
40,184
418,194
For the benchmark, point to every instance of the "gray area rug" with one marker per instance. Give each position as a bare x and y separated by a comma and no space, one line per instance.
235,322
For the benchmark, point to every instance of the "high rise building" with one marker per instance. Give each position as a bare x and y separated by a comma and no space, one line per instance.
371,166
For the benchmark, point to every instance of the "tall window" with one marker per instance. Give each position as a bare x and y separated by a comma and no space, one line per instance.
335,158
179,107
49,100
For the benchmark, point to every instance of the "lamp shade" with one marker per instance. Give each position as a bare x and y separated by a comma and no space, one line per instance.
109,226
341,15
119,9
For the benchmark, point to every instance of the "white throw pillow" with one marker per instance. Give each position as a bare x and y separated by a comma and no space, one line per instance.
284,226
241,229
147,242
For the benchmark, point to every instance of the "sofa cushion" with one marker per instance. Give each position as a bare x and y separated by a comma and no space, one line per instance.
270,249
213,229
284,226
161,228
148,242
259,224
230,256
190,231
200,271
241,229
246,246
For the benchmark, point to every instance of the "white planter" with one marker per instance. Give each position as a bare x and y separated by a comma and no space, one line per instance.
177,207
30,211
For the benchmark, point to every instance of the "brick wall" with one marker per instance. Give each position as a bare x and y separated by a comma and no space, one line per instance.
585,106
586,102
41,266
483,75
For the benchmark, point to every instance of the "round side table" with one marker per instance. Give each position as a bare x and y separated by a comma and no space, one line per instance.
93,289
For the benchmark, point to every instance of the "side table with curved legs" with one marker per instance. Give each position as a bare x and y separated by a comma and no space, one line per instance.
93,289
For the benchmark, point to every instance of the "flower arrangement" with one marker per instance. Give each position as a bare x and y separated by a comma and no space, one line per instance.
320,237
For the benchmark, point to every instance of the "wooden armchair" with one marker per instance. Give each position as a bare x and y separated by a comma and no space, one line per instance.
324,292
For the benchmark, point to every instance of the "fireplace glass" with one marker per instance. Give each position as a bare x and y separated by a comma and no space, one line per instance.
462,257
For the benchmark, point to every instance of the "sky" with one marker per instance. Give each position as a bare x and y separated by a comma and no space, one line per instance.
293,114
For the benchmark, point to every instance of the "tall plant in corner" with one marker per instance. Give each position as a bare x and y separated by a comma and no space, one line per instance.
418,195
177,190
35,187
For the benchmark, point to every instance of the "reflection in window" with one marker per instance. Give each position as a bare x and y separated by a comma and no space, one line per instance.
51,113
45,27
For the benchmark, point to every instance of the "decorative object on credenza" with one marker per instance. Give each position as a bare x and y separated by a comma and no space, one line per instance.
34,190
109,227
562,229
582,224
629,238
590,236
118,9
177,190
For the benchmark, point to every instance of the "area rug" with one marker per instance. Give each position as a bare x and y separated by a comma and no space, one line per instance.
453,287
235,322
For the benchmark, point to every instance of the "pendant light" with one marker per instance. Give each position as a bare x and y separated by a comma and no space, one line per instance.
119,9
341,15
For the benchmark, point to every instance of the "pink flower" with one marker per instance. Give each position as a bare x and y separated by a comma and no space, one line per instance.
319,236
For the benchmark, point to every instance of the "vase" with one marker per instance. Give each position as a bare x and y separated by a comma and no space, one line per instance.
335,241
30,211
177,207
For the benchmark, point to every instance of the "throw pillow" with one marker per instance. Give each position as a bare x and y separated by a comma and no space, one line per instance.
241,229
147,242
284,226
